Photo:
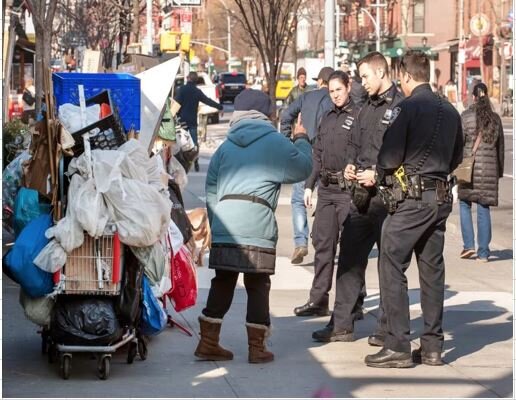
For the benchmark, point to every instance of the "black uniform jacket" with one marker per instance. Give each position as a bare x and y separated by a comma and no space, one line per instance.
410,133
373,121
333,141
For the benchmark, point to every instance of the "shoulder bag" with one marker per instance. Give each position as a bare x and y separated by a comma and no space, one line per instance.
464,172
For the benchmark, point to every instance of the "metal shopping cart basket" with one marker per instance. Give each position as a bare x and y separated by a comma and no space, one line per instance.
95,269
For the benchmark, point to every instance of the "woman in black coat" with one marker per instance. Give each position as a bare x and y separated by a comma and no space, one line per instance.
480,119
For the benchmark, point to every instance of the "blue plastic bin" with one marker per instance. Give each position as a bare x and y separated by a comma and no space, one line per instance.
124,90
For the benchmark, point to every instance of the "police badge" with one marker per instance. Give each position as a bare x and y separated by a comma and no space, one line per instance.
394,114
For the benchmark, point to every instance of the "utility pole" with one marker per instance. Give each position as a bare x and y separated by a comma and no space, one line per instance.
376,22
148,15
329,33
461,51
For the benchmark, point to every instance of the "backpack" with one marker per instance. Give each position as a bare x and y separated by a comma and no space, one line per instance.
28,98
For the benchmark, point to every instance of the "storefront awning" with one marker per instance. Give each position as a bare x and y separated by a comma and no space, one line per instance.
445,46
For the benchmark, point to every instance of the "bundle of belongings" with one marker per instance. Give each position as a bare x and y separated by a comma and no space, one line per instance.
91,213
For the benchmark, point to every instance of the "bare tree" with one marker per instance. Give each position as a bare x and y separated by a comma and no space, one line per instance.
43,12
270,24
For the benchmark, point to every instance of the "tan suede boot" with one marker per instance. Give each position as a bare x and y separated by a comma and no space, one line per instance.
256,335
208,347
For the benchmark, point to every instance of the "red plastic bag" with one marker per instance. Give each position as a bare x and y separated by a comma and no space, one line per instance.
184,280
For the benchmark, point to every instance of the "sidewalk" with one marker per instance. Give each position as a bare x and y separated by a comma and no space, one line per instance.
478,324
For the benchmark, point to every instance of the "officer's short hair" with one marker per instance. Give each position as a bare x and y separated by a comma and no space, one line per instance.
192,77
375,59
342,76
417,64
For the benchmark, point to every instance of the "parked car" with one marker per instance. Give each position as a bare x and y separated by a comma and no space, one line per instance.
209,89
230,84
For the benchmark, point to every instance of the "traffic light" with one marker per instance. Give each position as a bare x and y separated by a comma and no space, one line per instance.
185,42
167,42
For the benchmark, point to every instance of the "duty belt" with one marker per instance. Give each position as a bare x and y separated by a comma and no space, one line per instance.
247,197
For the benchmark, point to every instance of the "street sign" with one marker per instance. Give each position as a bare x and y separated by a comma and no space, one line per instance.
479,24
188,3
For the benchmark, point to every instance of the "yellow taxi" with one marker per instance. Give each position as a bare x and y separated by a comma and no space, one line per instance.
284,85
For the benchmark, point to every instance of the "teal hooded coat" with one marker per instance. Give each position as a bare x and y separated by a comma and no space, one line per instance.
254,160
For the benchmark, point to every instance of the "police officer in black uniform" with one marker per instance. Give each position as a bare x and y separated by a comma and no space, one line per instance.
363,226
330,155
422,146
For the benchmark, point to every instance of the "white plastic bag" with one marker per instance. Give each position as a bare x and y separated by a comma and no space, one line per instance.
177,172
70,116
140,213
176,237
51,258
68,232
90,210
136,163
106,168
184,140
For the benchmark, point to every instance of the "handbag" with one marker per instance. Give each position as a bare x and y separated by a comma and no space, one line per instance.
464,172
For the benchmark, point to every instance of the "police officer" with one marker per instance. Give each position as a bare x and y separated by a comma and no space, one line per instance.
330,155
363,226
422,146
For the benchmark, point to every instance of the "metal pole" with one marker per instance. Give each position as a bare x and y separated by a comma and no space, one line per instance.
229,41
148,13
377,27
337,25
461,48
329,33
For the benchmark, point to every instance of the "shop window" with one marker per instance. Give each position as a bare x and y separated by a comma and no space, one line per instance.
418,17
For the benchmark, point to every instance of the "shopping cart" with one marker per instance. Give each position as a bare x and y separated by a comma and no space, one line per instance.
94,269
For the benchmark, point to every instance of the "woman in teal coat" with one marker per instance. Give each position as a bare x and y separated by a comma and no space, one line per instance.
242,188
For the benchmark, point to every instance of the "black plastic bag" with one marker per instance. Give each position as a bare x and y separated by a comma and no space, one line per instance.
178,213
87,321
129,301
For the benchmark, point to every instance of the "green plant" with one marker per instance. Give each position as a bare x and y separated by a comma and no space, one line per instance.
11,133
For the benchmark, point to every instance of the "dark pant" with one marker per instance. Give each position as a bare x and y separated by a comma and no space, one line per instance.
193,134
360,233
257,285
416,226
332,210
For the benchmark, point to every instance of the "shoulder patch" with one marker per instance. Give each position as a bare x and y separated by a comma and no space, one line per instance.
394,114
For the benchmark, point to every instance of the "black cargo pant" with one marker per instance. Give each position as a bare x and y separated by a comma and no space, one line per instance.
257,285
360,233
332,210
416,226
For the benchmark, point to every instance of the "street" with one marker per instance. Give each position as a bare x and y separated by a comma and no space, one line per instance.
478,324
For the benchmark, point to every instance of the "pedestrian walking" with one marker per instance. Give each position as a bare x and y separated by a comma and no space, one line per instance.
242,190
421,147
188,97
362,228
312,106
330,157
29,100
300,88
484,139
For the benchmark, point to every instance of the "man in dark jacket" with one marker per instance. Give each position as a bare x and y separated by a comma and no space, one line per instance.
189,97
312,106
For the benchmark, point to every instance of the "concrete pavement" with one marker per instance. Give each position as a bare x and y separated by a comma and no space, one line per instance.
478,323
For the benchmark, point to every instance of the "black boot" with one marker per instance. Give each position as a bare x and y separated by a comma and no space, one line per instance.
310,309
387,358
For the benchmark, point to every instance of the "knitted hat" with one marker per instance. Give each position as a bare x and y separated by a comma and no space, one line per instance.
250,99
301,71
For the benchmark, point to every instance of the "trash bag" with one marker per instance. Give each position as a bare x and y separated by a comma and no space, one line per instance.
85,320
68,232
89,209
128,306
184,281
178,213
19,261
70,116
177,171
27,207
11,179
37,310
52,258
154,317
